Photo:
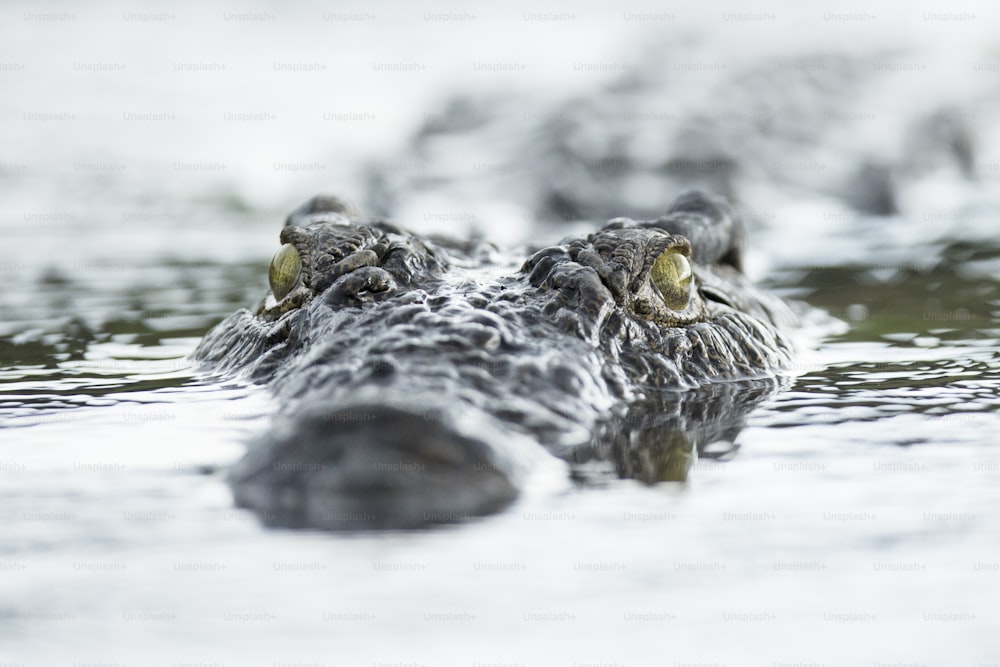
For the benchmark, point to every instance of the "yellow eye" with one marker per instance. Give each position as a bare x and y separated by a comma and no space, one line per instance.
671,274
284,272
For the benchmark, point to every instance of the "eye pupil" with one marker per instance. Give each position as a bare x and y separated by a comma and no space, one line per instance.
284,271
671,275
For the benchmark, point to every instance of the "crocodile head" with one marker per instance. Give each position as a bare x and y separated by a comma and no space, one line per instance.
423,380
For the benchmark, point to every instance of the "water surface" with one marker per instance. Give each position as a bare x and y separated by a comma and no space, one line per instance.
855,523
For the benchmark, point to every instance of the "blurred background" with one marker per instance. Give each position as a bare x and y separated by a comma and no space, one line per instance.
150,151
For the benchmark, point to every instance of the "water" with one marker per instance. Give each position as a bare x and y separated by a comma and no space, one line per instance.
856,523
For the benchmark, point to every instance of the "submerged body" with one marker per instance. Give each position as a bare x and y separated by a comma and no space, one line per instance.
422,381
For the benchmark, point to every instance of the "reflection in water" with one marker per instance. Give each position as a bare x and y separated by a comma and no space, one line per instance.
660,439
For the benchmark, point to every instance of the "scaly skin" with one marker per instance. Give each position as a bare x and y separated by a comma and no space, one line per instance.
423,382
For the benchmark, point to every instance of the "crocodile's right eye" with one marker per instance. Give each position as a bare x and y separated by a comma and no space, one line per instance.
284,271
671,274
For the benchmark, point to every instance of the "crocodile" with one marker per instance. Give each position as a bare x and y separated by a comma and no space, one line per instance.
425,380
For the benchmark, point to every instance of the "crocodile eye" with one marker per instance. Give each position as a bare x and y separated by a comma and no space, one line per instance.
671,274
284,271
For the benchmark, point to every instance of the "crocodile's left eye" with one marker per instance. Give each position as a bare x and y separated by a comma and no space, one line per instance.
671,274
284,271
